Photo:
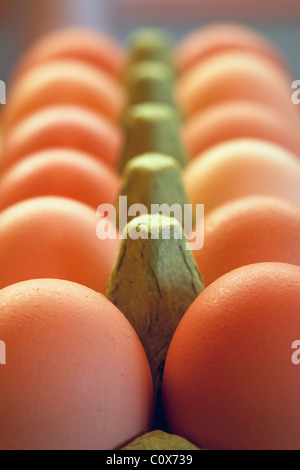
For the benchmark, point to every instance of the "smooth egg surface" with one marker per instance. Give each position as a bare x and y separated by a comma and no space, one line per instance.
231,76
64,82
76,375
242,167
216,37
249,230
55,237
60,172
85,44
239,119
73,127
229,379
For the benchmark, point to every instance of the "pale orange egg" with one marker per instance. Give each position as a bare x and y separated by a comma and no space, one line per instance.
60,172
72,127
79,43
64,82
238,119
242,167
76,375
221,37
55,237
231,377
249,230
231,76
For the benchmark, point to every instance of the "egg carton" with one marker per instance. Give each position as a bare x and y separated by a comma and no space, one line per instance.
166,178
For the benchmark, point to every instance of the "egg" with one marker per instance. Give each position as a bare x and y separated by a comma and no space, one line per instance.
230,382
55,237
238,119
60,172
76,376
249,230
242,167
73,127
217,37
61,83
86,44
228,76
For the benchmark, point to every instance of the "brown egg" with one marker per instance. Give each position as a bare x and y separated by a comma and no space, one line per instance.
54,237
64,82
247,230
229,378
221,37
239,168
231,76
60,172
72,127
76,375
239,119
85,44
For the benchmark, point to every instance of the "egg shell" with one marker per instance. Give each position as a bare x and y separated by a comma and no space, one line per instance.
249,230
60,172
76,376
231,76
229,379
239,119
54,237
73,127
64,82
90,46
242,167
217,37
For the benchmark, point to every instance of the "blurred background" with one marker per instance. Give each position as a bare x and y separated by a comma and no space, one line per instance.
21,22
